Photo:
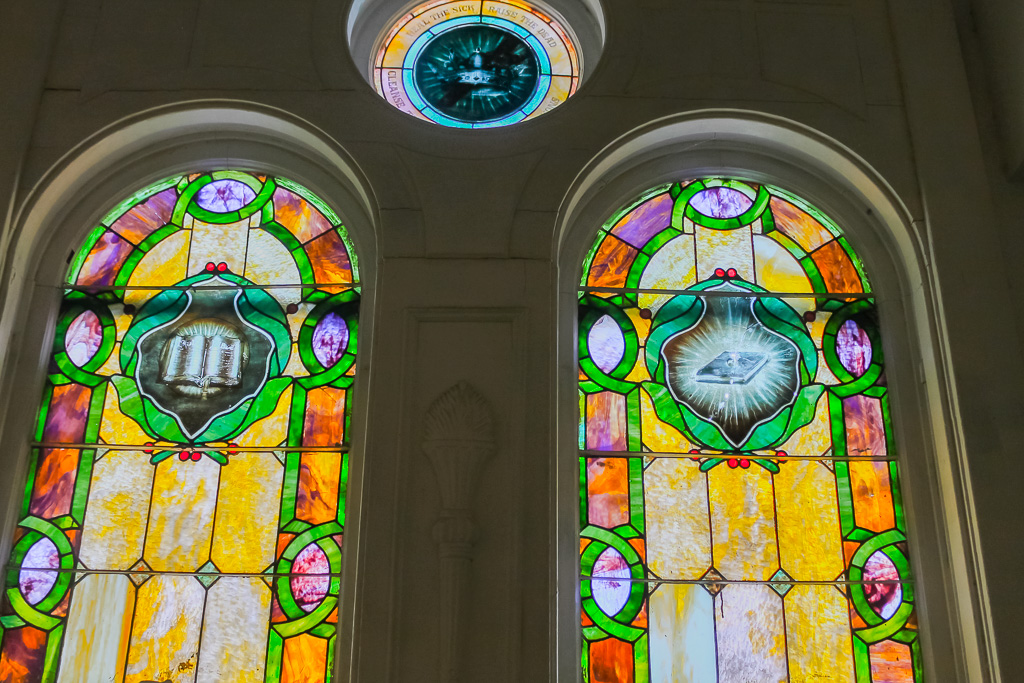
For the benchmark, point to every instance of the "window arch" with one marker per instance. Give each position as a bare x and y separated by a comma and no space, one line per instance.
185,505
740,511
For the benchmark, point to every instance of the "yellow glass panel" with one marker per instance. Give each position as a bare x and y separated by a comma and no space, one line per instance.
218,244
245,533
561,64
295,368
808,519
818,631
724,249
269,261
743,523
659,436
163,265
118,428
115,520
777,269
678,531
96,635
750,634
682,634
271,430
559,90
181,518
112,366
814,438
165,633
672,267
234,631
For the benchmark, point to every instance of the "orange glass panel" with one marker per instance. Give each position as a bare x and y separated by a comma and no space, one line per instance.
316,500
611,263
837,269
330,259
891,662
606,421
325,417
865,425
611,661
799,225
608,491
305,659
872,495
300,217
55,482
23,652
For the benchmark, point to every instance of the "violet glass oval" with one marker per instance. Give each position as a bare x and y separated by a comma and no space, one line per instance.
312,568
610,583
606,344
853,346
721,202
884,598
83,338
225,196
330,339
36,577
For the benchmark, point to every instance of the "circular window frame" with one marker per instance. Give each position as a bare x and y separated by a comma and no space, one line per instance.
371,23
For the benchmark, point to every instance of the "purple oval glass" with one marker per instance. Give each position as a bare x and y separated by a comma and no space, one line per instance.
606,344
330,339
610,583
225,196
853,346
309,591
721,202
83,338
34,579
884,598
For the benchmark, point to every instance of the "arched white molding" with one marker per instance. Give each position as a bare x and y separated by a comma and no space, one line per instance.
957,633
72,196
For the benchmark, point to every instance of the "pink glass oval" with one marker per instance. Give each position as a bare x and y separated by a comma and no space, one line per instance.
611,593
721,202
884,598
83,337
225,196
34,580
606,344
310,590
330,339
853,346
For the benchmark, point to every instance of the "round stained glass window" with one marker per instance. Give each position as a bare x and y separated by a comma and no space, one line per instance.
476,64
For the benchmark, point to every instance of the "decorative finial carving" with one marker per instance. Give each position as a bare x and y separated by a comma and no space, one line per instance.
458,438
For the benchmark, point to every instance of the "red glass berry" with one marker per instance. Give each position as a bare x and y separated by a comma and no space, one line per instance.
148,451
719,272
731,272
221,267
210,267
744,463
183,456
292,308
196,456
781,454
646,314
733,462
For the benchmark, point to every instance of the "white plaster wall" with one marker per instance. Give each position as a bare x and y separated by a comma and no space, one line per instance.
466,281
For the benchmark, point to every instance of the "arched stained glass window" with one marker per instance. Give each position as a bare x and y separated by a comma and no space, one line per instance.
740,512
185,505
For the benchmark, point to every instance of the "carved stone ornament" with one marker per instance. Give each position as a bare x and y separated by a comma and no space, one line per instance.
458,438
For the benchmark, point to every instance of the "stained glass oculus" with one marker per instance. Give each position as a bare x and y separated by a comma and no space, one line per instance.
476,73
477,64
740,508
